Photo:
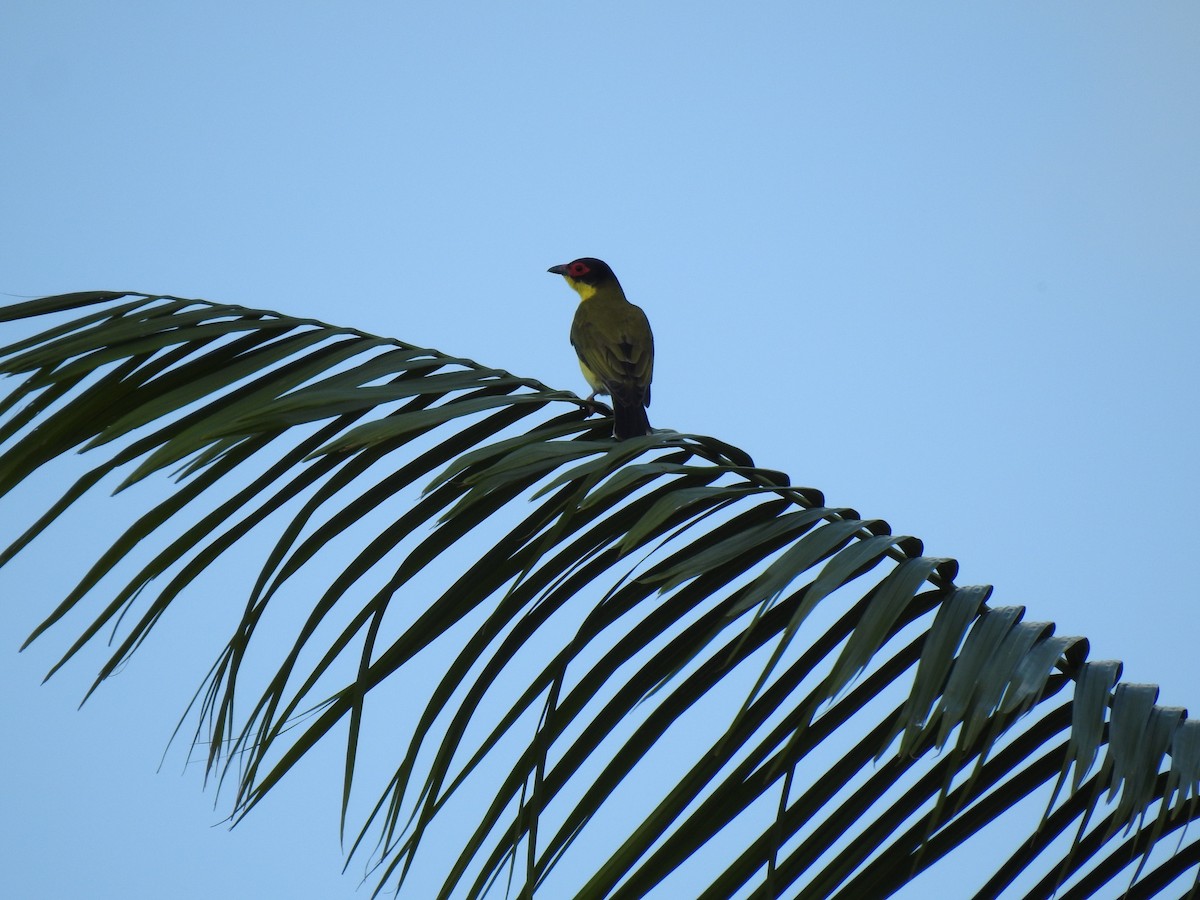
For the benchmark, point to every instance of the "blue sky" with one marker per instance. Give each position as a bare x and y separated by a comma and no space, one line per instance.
937,260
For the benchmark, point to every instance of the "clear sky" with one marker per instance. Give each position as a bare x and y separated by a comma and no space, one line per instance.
938,260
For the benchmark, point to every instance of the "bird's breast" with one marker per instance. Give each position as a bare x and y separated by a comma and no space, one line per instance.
594,381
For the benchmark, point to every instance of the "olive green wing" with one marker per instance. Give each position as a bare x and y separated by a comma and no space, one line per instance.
614,341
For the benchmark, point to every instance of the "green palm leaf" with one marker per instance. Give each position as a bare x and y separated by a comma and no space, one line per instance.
824,709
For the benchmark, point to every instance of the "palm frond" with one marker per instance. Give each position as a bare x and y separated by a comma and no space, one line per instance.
815,701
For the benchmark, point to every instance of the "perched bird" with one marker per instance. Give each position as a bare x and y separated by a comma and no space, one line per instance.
613,341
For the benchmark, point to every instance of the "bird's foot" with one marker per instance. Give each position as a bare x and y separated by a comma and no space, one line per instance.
596,408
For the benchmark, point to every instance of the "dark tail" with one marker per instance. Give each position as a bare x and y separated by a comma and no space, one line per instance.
629,419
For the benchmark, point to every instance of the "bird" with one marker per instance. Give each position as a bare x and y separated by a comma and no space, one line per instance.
613,341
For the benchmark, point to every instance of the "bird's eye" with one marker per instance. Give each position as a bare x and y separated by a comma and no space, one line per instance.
577,269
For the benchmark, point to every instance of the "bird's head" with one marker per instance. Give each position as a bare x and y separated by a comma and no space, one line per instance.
586,275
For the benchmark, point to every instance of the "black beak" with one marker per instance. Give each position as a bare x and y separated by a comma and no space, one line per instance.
557,270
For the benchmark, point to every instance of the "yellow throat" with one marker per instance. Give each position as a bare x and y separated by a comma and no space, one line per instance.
582,288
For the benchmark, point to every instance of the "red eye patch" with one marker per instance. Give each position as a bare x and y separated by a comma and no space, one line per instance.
577,270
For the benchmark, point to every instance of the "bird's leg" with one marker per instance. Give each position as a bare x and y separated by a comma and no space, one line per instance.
595,407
